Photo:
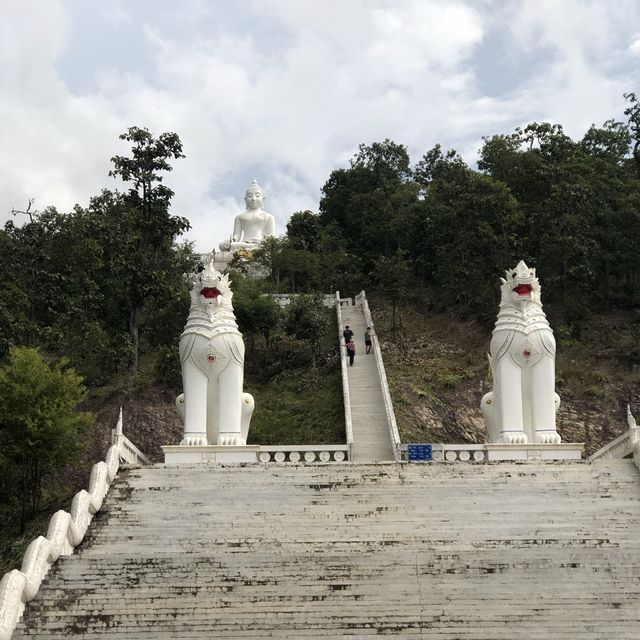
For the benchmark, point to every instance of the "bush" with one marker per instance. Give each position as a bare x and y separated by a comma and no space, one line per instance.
39,424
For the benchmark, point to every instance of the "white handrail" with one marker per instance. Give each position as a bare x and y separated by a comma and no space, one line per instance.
129,453
66,531
346,397
492,452
622,446
361,298
634,435
285,299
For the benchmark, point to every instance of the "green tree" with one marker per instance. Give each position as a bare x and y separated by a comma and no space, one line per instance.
434,163
611,191
303,230
151,227
39,423
300,270
576,198
54,269
387,160
339,269
633,113
257,314
609,142
16,318
268,256
365,199
393,277
306,320
339,203
472,230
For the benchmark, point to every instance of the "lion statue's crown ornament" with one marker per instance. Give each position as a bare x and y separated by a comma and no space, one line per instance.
213,406
522,406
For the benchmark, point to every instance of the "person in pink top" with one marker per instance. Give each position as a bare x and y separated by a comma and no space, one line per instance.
351,351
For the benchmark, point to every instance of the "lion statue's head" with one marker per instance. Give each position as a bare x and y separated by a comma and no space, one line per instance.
520,286
210,288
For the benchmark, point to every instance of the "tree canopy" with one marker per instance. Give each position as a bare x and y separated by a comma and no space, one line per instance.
78,282
568,207
39,423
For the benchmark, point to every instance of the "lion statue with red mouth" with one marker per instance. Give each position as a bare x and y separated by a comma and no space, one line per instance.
213,406
522,406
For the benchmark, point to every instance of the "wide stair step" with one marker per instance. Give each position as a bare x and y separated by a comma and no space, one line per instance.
490,551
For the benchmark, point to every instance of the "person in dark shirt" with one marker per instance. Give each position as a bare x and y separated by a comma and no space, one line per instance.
347,334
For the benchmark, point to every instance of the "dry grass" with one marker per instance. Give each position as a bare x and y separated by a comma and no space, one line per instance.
438,372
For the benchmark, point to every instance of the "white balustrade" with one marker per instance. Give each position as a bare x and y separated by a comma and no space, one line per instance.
453,453
361,298
625,444
285,299
66,531
127,451
494,452
308,453
346,397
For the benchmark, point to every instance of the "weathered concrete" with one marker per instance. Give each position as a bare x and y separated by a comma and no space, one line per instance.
448,551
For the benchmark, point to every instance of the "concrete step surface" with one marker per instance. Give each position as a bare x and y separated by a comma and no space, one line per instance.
451,551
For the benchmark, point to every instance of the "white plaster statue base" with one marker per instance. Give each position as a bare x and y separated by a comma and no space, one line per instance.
221,260
181,454
565,451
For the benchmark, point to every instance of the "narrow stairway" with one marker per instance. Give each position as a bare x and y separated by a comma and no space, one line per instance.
372,442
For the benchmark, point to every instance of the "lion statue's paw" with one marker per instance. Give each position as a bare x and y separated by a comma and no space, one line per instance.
228,439
513,437
547,437
194,440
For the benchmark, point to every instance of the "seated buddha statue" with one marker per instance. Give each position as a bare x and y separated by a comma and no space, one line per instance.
252,226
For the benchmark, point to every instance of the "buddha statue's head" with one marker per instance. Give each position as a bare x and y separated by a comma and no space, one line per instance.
254,197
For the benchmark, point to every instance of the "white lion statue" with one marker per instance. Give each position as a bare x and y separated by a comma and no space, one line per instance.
522,406
213,406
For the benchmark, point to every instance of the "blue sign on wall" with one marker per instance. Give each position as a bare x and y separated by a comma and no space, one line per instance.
417,452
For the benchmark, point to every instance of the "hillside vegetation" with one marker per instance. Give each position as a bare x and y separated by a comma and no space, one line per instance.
438,372
102,286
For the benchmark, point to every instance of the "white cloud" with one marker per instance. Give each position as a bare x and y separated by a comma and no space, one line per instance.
285,91
433,34
115,14
576,84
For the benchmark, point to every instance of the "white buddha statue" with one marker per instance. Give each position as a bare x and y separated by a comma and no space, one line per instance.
252,226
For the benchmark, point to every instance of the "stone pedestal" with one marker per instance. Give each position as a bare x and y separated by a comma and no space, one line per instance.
221,260
210,454
563,451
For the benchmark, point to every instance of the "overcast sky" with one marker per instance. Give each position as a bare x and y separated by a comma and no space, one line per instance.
284,91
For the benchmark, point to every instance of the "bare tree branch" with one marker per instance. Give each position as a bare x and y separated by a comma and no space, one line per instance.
27,211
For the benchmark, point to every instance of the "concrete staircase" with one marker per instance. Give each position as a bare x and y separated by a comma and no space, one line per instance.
370,431
449,551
